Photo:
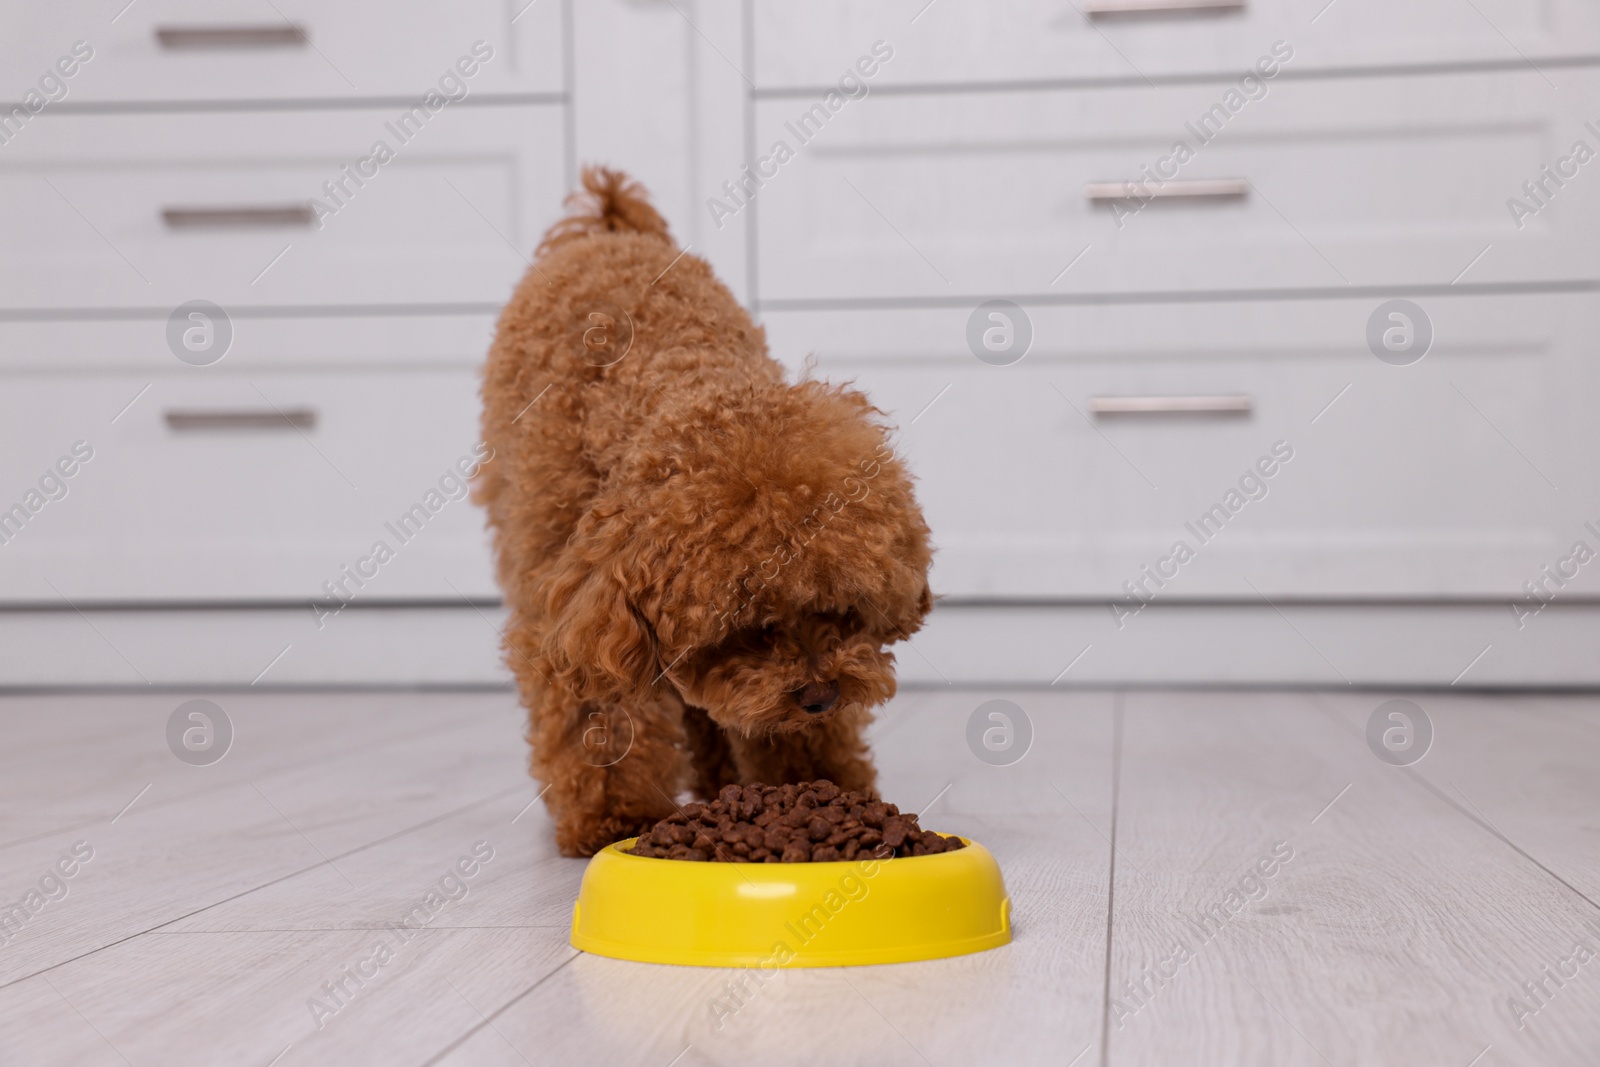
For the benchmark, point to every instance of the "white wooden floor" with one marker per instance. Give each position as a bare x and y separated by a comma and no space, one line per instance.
1416,905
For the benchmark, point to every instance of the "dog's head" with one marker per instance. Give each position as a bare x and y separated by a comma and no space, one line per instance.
758,554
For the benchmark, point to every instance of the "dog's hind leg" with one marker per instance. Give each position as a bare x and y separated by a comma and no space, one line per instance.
833,749
611,771
710,753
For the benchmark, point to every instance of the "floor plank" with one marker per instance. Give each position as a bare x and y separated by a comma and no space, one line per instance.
1394,934
206,999
161,862
118,747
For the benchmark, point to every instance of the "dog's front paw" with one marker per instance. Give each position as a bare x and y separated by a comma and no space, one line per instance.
588,836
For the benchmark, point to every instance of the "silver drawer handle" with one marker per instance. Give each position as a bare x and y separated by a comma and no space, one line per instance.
1232,404
1196,188
280,35
208,218
1139,7
203,421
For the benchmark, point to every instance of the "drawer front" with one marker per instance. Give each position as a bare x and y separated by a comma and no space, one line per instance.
802,43
211,487
1362,181
262,208
287,50
1434,479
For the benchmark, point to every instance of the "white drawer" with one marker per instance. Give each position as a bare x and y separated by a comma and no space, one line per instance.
449,219
261,339
285,50
247,506
1360,181
810,43
1425,480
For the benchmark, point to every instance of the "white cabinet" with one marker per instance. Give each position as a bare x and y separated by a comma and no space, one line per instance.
1381,160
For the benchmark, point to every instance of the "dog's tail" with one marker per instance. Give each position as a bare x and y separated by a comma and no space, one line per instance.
611,202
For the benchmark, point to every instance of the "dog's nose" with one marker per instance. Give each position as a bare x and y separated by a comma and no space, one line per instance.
817,697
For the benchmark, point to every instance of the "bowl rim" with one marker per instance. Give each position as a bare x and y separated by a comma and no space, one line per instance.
616,849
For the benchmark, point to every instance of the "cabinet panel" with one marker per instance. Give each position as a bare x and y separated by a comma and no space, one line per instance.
809,43
1437,479
209,487
1317,185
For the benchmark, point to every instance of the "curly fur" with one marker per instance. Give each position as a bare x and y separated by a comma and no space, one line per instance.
687,542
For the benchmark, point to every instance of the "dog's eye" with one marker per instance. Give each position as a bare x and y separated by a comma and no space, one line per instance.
752,637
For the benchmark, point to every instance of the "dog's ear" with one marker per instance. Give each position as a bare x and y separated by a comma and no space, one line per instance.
596,640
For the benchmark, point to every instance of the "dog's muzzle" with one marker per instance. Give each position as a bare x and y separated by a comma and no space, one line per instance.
817,697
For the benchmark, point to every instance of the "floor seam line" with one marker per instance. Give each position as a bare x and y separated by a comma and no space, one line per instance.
1117,709
488,1019
1415,776
1502,838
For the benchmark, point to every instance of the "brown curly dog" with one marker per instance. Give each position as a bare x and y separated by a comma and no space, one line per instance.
703,562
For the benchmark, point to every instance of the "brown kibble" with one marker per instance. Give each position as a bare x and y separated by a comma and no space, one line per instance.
794,823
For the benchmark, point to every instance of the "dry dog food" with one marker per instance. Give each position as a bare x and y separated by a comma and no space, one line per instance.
812,822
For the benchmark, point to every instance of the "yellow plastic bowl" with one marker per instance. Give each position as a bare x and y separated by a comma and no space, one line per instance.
790,914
